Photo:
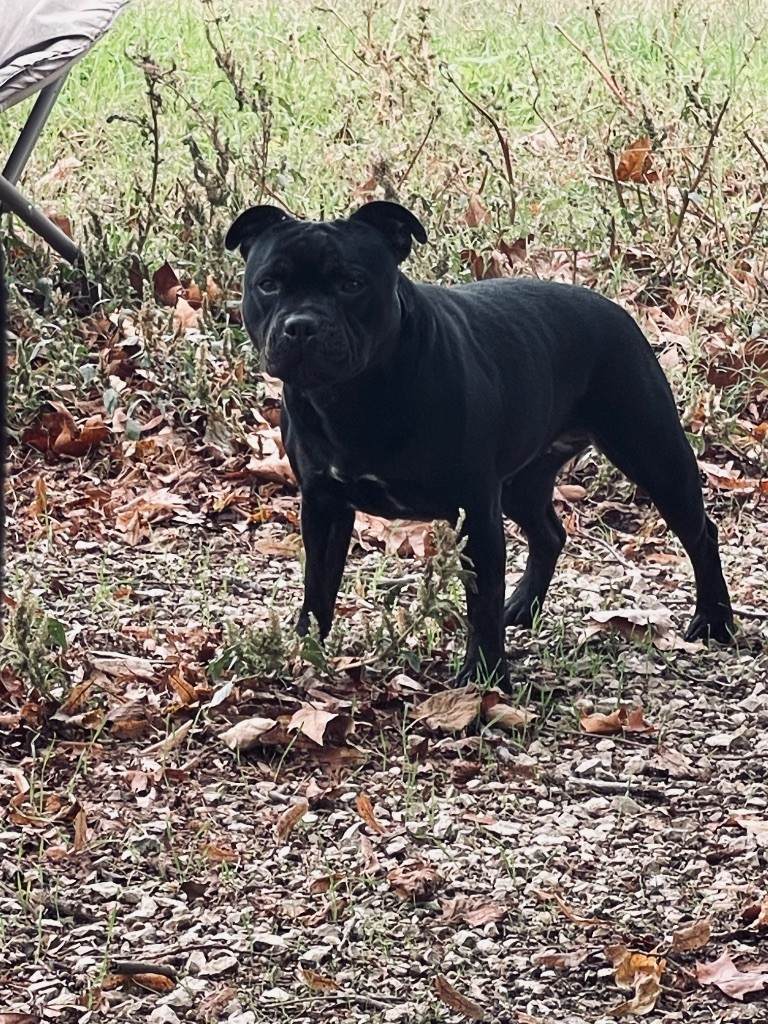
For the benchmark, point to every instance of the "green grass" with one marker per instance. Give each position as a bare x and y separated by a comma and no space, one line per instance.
346,93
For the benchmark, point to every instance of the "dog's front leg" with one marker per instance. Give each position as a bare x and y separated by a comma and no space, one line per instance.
485,660
326,528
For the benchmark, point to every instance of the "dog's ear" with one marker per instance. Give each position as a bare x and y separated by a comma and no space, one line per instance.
249,225
398,225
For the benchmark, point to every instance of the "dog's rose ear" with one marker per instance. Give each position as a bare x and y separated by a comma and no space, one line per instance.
398,225
249,225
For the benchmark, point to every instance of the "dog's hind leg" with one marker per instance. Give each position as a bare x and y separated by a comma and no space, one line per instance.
652,450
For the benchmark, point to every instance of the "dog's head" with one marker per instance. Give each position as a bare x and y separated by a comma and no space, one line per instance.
321,298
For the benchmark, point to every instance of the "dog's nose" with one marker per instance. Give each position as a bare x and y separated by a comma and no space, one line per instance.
300,327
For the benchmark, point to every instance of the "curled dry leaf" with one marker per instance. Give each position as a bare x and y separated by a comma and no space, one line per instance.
691,936
636,162
472,911
604,725
290,818
365,810
458,1002
153,982
245,735
417,882
756,915
318,982
81,830
561,961
371,865
639,971
736,983
618,721
449,710
505,716
632,623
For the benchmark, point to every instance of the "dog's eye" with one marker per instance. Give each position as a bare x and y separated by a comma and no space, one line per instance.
267,285
352,285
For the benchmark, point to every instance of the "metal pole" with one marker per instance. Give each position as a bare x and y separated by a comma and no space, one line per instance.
30,133
14,201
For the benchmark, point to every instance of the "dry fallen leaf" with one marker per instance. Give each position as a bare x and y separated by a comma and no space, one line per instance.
458,1002
318,982
604,725
417,882
691,936
449,710
561,961
618,721
504,716
290,818
245,735
639,971
473,911
365,810
735,983
636,162
312,722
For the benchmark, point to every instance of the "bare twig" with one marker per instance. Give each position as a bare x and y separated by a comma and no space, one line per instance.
757,149
606,76
700,173
499,135
422,144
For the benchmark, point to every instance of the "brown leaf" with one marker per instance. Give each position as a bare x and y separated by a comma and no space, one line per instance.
505,716
476,214
318,982
81,830
290,818
755,826
561,961
154,982
691,936
636,162
365,810
458,1002
166,284
636,721
639,971
417,882
185,317
220,854
245,735
735,983
604,725
371,865
449,710
312,721
472,911
756,915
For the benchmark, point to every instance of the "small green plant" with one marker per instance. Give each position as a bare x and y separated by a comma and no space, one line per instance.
34,644
257,651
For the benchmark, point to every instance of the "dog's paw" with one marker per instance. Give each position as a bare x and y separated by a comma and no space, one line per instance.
519,611
713,626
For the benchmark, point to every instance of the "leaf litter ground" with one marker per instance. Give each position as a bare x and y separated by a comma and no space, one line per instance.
377,864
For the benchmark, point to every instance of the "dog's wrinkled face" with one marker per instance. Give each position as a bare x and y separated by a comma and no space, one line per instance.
321,298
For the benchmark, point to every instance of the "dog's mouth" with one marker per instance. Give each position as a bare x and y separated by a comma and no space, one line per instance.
321,361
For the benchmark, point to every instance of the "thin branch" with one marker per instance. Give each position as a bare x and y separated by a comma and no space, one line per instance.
606,76
701,172
499,135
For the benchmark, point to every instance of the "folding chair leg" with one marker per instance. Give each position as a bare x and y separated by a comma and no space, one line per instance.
30,133
11,199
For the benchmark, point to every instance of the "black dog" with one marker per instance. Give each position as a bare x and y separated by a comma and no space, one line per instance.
415,401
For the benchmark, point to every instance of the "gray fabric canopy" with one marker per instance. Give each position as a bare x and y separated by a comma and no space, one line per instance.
41,39
39,42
